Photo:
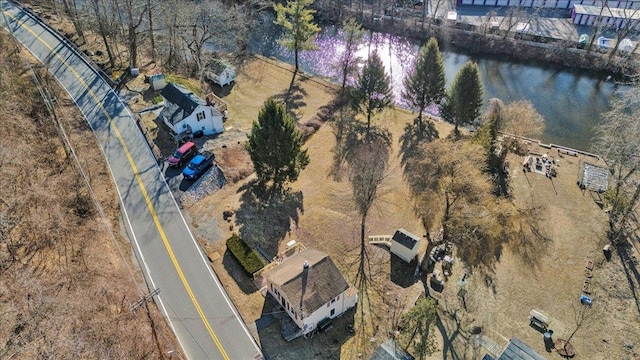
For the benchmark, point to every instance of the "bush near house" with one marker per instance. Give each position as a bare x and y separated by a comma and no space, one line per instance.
248,258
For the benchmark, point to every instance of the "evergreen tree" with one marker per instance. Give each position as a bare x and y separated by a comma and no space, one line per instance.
424,84
464,98
372,93
275,146
418,325
299,29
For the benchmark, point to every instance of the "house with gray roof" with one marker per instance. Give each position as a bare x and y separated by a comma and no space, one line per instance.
184,112
311,289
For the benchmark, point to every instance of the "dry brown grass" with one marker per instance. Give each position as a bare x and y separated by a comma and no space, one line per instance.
544,273
65,288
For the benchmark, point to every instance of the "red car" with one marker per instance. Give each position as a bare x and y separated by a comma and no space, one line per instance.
183,154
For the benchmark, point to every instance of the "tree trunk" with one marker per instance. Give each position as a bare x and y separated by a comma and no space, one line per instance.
151,37
103,33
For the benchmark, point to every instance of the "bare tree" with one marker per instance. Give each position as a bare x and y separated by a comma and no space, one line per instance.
617,140
450,189
135,15
105,29
71,8
522,119
368,164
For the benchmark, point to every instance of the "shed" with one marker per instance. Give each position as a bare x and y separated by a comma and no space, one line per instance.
220,72
405,245
593,177
518,350
389,351
157,82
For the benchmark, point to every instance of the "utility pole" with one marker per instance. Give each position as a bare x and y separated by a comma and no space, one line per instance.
143,300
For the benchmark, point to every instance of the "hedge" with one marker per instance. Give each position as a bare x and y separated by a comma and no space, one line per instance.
248,258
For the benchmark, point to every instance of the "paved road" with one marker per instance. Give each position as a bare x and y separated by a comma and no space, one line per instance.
191,297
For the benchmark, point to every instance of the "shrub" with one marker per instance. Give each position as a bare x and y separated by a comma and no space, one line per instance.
248,258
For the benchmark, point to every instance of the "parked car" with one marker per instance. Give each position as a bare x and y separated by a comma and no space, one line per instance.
183,154
198,166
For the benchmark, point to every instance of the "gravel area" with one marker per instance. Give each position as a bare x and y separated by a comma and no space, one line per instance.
209,183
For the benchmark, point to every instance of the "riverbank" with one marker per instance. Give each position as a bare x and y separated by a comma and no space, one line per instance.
476,38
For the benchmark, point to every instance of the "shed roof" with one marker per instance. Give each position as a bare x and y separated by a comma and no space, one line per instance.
593,177
405,238
321,283
389,351
518,350
180,102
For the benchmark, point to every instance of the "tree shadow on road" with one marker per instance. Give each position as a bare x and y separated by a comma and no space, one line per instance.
263,221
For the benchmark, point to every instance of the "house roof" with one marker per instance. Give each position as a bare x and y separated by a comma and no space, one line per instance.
389,351
321,283
217,66
179,103
518,350
405,238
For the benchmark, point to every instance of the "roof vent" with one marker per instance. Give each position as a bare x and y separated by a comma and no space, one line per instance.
305,265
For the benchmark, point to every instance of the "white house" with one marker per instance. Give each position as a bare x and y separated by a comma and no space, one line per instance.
184,112
311,289
405,245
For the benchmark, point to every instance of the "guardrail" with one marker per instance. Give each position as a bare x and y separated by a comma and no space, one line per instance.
66,41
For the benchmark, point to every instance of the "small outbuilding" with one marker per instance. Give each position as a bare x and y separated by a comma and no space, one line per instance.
593,177
405,245
184,112
518,350
220,72
389,350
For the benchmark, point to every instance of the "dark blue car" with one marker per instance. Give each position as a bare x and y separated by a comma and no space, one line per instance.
198,166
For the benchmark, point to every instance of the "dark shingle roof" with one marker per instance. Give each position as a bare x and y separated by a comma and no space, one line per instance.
405,238
179,103
323,280
518,350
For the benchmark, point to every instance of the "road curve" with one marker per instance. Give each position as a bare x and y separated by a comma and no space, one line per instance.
194,303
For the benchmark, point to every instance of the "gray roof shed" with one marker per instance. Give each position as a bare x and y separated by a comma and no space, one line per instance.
518,350
405,238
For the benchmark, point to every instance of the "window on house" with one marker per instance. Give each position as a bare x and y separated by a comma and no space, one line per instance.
200,115
333,312
333,300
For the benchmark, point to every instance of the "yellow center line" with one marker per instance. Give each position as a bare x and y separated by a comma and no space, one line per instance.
139,181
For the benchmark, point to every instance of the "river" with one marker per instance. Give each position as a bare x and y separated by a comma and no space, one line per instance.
570,101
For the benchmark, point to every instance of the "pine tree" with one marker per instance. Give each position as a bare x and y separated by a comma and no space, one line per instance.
275,146
464,98
424,84
372,93
299,30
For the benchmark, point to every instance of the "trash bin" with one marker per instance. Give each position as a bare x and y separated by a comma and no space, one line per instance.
548,341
